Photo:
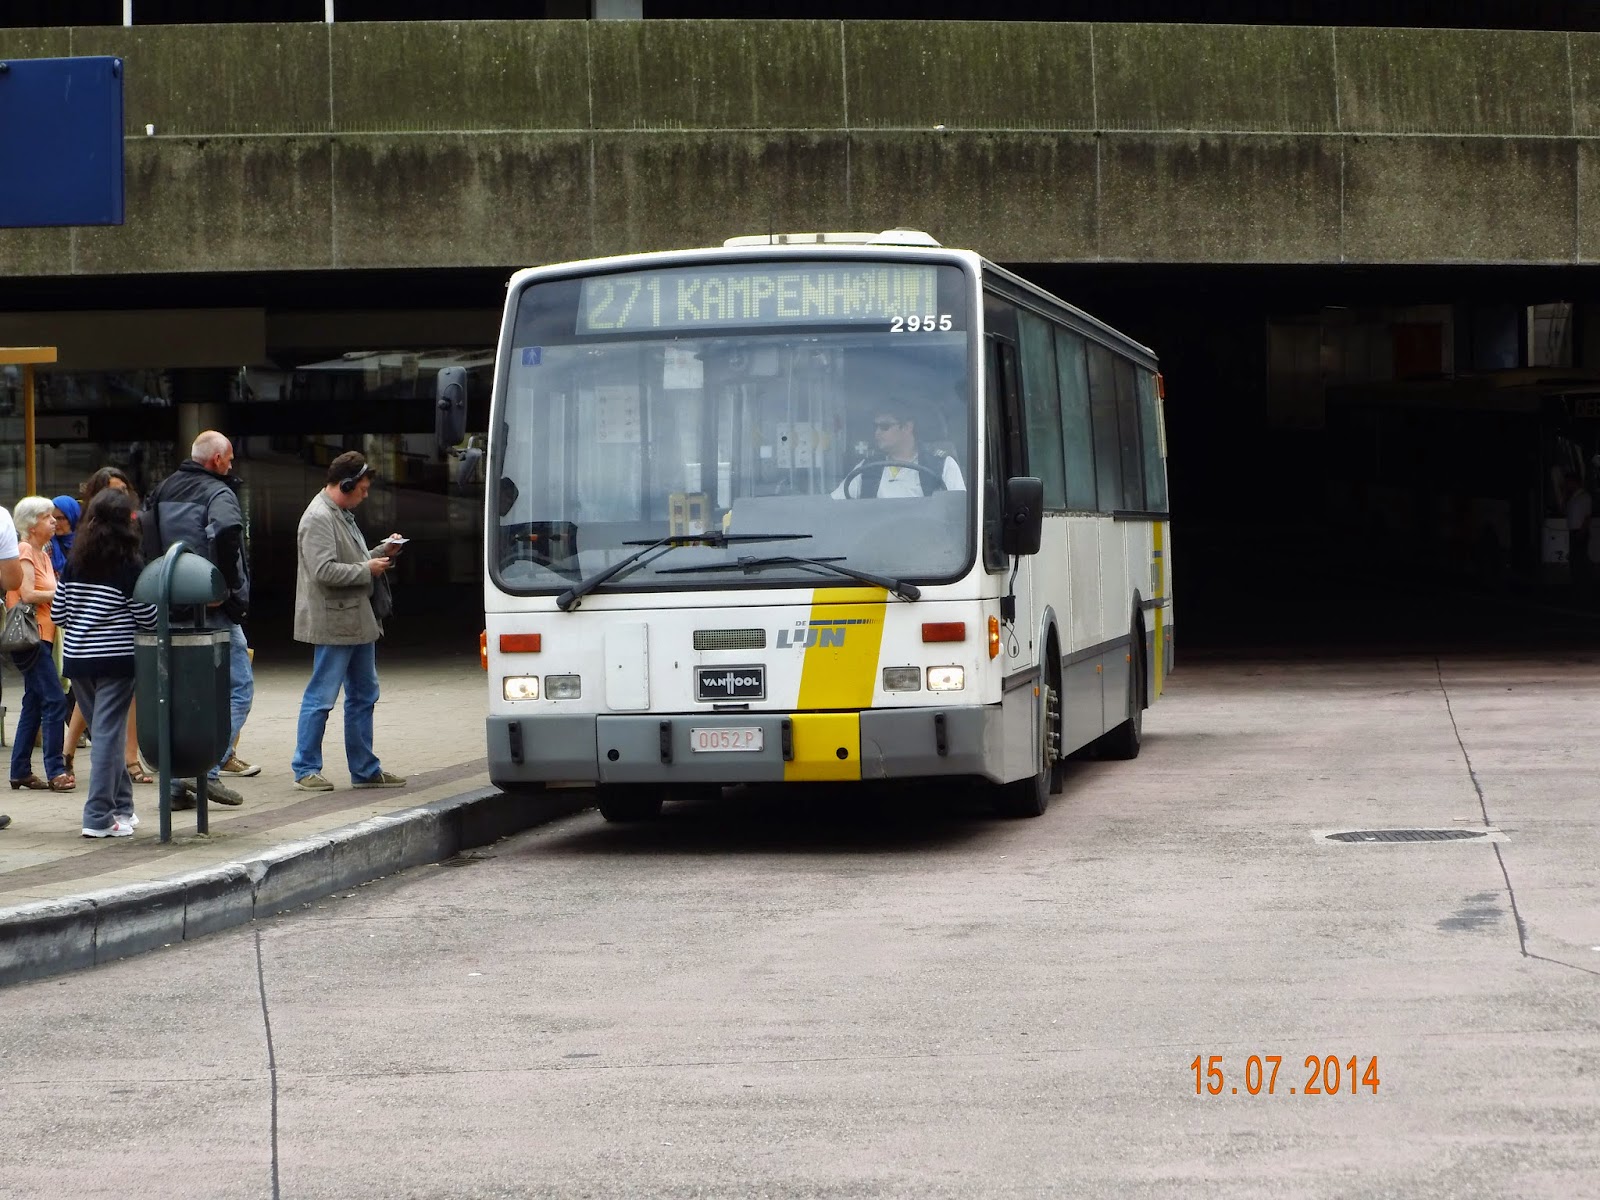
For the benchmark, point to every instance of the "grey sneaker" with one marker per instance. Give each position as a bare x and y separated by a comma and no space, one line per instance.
182,795
218,792
312,783
381,780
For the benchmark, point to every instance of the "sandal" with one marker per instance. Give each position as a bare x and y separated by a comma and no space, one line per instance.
63,783
138,774
32,783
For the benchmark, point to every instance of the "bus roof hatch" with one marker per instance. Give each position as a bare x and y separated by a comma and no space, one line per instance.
889,237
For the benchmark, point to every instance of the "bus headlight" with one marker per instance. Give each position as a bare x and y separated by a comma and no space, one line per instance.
946,679
563,687
520,687
902,679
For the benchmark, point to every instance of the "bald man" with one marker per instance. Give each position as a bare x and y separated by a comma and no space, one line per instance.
198,505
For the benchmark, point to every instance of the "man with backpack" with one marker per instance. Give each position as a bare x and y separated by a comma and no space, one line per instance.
198,505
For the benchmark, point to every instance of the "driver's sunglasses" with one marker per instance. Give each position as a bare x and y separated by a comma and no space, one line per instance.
886,424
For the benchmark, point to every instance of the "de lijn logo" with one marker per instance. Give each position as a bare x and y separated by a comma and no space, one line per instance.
807,634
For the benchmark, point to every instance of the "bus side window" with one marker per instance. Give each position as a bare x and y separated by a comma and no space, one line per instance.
1133,499
1107,450
1043,407
1154,439
1077,427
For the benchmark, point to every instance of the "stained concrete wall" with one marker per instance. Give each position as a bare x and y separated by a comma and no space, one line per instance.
300,147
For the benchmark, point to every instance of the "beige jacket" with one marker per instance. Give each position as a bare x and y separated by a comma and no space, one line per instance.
332,587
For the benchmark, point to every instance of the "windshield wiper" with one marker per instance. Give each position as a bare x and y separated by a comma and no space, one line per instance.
906,591
568,600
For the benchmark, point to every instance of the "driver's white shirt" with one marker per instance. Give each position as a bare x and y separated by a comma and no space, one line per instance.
903,481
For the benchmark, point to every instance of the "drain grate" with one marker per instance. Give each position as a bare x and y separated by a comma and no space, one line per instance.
1407,835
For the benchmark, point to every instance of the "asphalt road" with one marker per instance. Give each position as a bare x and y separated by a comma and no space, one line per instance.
877,994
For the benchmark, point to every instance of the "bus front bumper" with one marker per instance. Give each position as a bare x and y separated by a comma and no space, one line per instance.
795,747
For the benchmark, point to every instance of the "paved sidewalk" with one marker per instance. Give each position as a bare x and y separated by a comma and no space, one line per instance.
429,728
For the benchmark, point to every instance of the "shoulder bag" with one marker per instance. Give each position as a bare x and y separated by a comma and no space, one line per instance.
20,631
382,597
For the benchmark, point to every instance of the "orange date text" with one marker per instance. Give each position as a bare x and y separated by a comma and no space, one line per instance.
1258,1075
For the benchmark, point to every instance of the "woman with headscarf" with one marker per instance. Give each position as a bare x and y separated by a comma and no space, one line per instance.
68,513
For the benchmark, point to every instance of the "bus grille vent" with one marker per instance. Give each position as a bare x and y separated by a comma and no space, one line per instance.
730,639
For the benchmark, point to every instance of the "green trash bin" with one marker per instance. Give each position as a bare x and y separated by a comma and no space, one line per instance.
182,673
202,686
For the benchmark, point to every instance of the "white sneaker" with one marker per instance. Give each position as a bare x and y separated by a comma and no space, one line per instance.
118,828
132,820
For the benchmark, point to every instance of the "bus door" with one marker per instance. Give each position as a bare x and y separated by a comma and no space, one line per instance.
1005,458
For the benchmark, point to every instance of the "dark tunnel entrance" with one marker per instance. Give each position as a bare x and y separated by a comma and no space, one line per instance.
1343,441
1367,456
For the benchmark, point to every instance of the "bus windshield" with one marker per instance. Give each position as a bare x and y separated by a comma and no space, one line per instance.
826,401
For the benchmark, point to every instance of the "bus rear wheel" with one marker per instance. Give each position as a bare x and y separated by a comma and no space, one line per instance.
1030,797
625,804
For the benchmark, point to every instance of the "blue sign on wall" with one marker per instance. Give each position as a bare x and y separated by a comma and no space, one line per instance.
60,141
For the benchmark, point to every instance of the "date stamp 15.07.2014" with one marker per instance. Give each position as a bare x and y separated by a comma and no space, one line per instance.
1258,1076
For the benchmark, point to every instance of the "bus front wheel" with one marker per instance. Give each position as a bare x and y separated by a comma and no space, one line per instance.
1031,796
622,804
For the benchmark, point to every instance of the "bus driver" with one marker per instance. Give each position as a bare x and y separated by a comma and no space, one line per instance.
902,465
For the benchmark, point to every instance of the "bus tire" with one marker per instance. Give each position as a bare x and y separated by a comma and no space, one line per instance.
1124,741
1030,797
625,804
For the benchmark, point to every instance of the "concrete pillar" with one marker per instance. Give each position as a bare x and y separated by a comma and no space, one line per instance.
201,396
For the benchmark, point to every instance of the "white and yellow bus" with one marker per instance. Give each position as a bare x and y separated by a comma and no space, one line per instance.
818,507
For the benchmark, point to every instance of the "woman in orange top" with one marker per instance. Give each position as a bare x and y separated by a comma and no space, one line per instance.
44,705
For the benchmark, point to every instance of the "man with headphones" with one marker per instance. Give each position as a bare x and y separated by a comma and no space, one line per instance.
340,600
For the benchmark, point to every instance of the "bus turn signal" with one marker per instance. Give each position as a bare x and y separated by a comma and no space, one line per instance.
483,649
994,637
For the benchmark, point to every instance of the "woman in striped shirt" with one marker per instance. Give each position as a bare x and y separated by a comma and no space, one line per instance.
94,605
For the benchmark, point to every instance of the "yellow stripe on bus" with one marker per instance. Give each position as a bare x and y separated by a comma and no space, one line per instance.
818,738
840,673
1158,566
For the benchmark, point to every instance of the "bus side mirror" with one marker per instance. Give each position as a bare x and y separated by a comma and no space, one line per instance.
450,412
1024,517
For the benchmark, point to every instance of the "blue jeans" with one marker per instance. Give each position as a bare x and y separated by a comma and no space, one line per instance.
104,702
355,668
244,690
43,704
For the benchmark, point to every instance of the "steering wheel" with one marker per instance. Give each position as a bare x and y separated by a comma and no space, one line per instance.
863,468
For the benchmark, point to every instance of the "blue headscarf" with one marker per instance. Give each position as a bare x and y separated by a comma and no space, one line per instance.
61,544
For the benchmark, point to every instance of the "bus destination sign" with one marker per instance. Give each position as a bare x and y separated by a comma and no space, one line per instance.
757,294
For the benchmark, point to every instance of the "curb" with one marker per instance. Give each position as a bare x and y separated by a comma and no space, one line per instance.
49,937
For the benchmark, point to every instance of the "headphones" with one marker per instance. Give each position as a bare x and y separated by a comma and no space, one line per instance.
349,485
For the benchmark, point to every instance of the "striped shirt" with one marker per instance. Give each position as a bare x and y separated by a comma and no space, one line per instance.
99,620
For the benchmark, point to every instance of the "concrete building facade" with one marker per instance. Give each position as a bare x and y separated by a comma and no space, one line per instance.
321,214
